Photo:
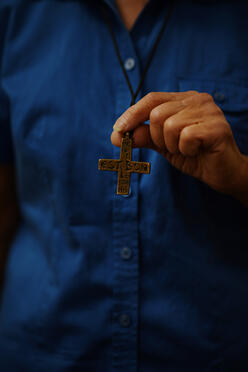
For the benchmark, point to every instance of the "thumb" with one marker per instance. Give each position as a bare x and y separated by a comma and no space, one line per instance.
141,137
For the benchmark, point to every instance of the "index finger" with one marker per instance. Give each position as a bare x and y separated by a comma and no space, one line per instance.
140,111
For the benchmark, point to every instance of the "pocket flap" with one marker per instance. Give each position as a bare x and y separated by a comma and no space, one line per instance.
232,99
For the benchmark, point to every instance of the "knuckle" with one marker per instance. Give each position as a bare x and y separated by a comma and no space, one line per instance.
199,98
151,96
212,109
205,97
193,92
169,123
186,134
155,115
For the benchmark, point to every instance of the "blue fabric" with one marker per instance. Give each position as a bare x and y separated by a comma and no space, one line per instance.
72,301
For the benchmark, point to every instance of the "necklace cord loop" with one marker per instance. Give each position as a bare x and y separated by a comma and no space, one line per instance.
150,58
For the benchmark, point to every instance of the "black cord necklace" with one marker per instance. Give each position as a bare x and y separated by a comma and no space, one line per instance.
148,63
125,166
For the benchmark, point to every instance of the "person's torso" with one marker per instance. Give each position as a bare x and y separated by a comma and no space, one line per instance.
100,282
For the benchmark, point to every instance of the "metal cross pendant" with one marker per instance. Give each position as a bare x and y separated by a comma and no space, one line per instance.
124,166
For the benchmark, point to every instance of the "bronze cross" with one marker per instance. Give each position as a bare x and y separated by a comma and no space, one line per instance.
124,166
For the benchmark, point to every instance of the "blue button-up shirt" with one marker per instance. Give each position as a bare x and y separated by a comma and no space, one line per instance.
96,282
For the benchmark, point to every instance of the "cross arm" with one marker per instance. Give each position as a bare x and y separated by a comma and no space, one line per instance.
138,167
108,164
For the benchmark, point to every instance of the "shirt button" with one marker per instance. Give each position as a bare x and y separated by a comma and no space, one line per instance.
219,97
125,320
126,253
129,64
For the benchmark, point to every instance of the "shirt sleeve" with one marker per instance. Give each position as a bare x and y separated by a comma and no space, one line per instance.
6,150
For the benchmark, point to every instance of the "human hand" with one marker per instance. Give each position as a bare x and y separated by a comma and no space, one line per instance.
191,131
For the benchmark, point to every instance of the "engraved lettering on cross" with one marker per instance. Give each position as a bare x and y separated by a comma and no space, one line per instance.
124,166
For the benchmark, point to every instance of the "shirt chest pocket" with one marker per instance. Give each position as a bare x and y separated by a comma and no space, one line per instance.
232,99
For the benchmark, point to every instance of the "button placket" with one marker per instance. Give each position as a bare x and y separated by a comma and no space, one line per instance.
125,235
